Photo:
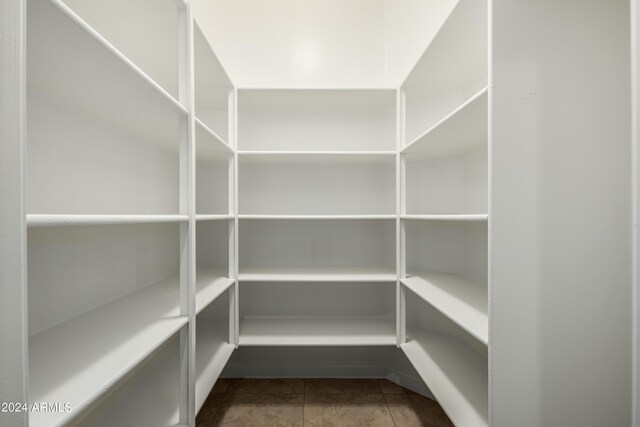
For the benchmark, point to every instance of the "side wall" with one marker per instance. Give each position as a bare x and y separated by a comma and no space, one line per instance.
561,214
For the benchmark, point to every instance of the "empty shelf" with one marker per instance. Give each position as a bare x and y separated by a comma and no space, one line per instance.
209,142
67,363
461,300
211,282
212,217
351,217
317,157
317,331
212,353
44,220
321,99
455,373
73,65
319,274
448,217
463,130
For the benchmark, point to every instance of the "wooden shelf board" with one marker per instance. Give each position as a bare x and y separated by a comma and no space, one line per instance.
316,331
462,131
212,353
58,220
448,217
461,300
74,66
320,274
332,217
455,373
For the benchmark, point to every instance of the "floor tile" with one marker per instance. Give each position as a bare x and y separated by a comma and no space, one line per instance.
342,386
346,410
221,386
268,386
416,411
209,409
260,410
389,387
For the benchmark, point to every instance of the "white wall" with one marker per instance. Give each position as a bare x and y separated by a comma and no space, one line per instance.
561,214
316,43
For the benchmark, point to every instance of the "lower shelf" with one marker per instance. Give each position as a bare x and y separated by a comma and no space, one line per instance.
319,274
317,331
212,353
454,372
68,364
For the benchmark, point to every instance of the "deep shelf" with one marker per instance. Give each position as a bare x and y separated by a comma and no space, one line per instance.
317,331
448,217
311,274
461,300
212,353
455,373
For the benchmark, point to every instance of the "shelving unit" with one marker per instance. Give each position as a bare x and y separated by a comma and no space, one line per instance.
444,218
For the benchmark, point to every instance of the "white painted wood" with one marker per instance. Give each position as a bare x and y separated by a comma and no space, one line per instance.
212,353
464,130
317,100
461,300
635,122
56,220
130,329
456,59
324,331
210,284
14,375
209,141
318,217
206,217
559,149
77,68
454,217
319,274
456,376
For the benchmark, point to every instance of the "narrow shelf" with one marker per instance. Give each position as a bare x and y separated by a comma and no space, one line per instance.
449,217
455,373
339,217
212,353
213,143
67,363
73,65
320,274
213,217
463,130
317,157
462,301
211,282
317,331
56,220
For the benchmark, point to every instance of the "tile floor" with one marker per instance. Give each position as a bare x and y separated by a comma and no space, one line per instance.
317,402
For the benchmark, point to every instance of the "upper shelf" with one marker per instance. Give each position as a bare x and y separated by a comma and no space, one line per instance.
457,57
311,274
463,130
44,220
330,157
212,83
77,68
448,217
462,301
316,99
455,373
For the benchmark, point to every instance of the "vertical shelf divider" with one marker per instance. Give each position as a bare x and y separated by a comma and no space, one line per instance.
401,210
235,292
187,207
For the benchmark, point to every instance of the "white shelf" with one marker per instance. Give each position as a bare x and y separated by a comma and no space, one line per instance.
449,217
320,99
212,353
462,301
455,373
212,217
73,65
463,130
316,331
456,59
331,217
328,157
212,83
209,142
80,360
320,274
210,284
68,364
45,220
